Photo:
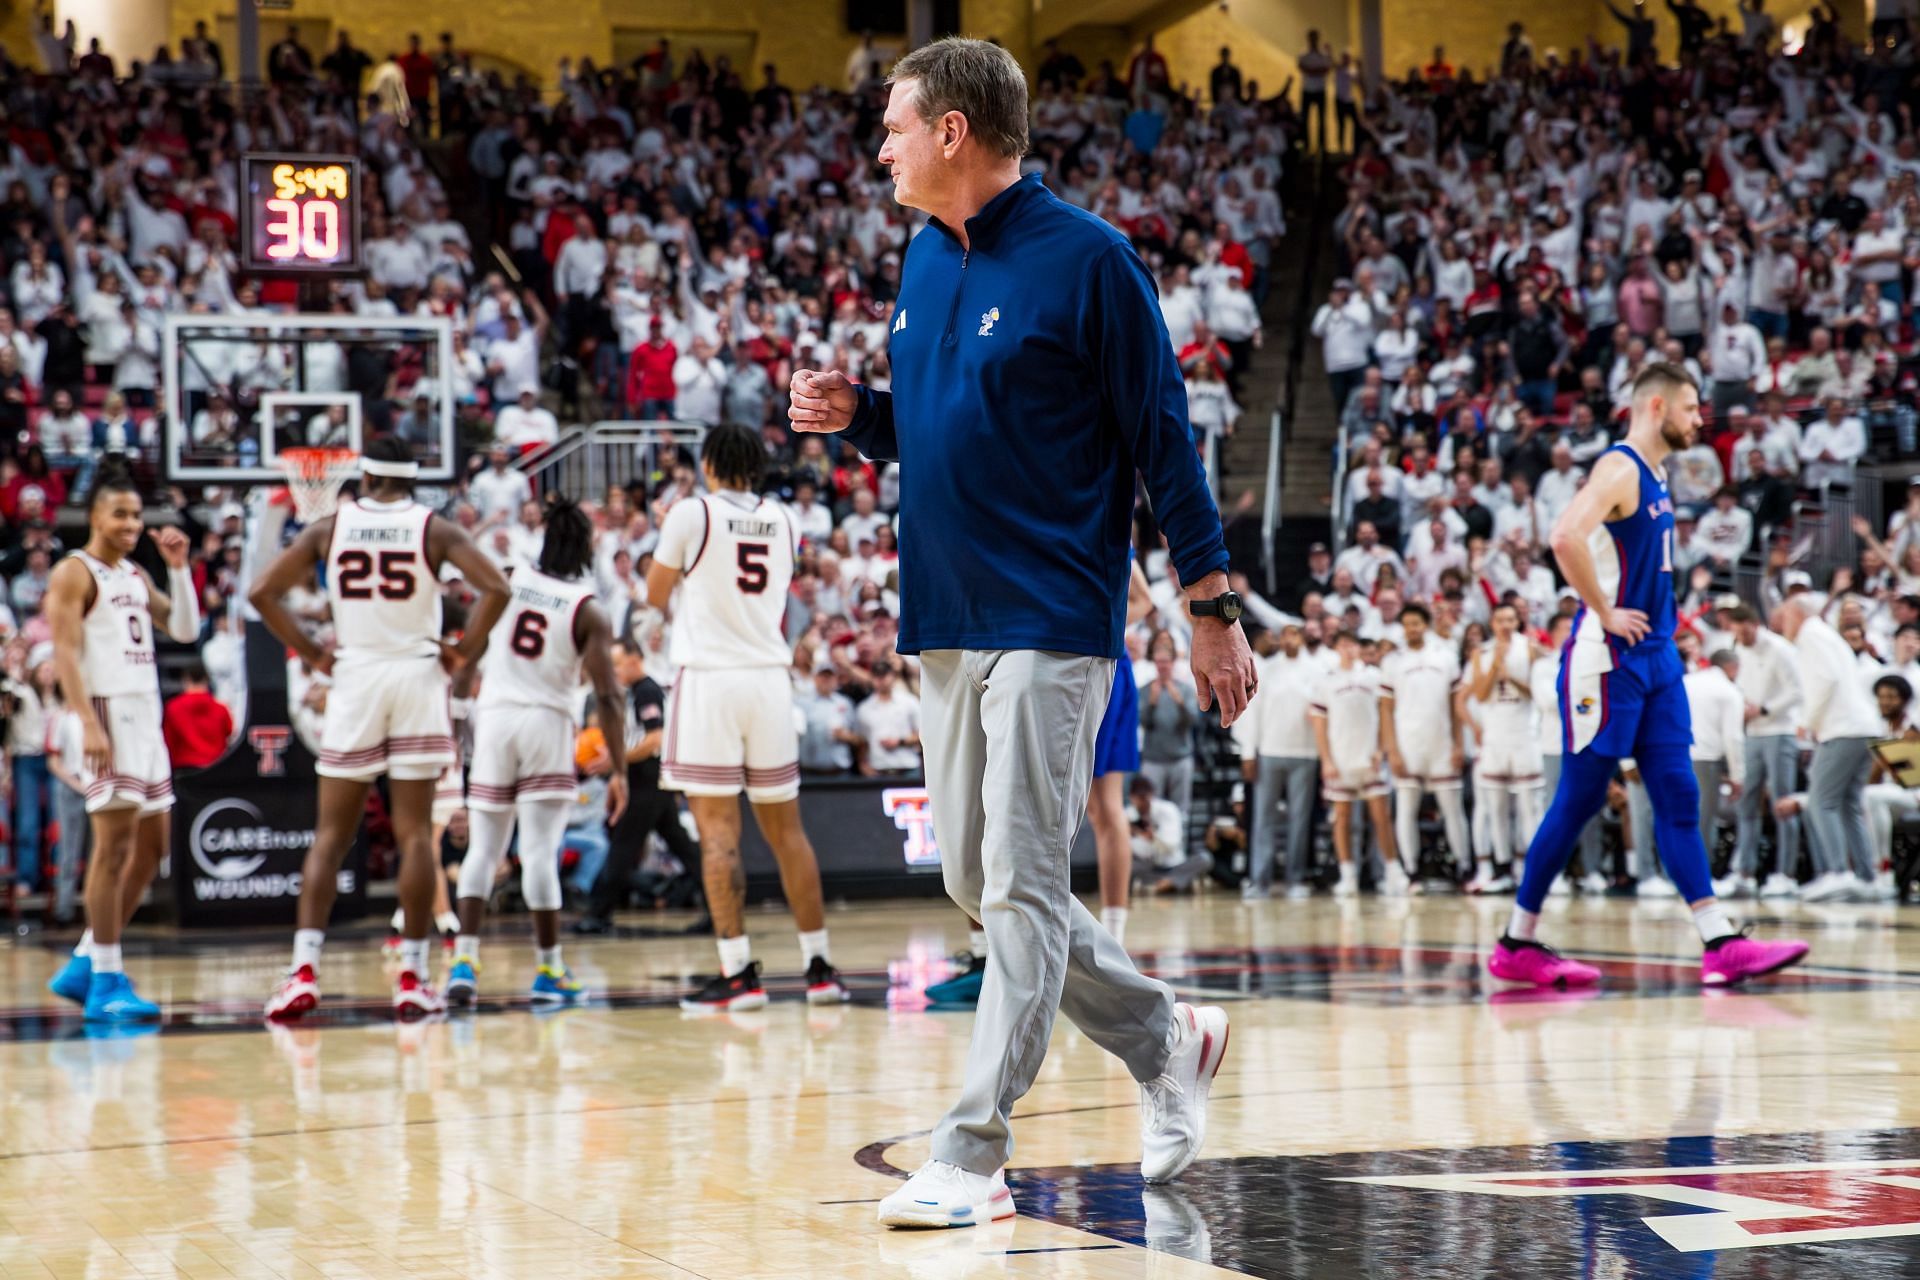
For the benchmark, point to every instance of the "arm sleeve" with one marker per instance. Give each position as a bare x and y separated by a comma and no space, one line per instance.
871,430
1126,341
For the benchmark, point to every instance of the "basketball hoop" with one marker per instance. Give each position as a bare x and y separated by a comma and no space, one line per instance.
314,477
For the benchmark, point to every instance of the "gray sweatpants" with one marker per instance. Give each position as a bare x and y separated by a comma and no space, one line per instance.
76,835
1706,775
1773,761
1172,780
1008,738
1295,777
1836,805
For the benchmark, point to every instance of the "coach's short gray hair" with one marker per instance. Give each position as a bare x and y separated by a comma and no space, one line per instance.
977,78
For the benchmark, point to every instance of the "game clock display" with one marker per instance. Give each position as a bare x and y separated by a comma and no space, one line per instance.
300,213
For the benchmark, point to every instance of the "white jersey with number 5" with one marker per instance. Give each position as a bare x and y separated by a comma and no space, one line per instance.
386,599
532,660
116,639
736,551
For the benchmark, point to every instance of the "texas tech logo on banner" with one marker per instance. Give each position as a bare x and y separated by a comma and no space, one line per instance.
1752,1206
912,812
269,743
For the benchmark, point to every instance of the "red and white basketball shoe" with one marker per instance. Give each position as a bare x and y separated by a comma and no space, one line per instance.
298,994
413,998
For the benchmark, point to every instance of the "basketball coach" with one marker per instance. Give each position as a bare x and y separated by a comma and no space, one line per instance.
1032,377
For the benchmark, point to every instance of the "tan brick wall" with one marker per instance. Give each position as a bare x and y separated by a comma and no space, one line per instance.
1192,48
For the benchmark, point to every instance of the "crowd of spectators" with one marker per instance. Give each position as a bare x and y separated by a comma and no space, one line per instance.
679,243
1515,246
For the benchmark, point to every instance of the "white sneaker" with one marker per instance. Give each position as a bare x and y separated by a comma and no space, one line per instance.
1394,883
1883,889
1173,1105
1502,883
1595,883
1347,886
1830,886
1780,885
1562,887
1482,877
1251,892
1299,892
1656,887
1735,887
945,1195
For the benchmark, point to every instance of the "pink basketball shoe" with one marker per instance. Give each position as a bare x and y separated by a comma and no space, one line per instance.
1523,960
1742,956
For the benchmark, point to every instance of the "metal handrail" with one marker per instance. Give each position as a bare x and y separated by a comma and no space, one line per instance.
1337,536
586,460
1210,454
1270,510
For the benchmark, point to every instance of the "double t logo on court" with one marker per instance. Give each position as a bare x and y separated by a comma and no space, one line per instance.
1748,1206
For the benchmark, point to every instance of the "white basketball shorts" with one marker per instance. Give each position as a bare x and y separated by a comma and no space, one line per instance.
141,775
520,753
388,717
732,730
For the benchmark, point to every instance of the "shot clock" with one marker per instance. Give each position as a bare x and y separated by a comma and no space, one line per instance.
300,213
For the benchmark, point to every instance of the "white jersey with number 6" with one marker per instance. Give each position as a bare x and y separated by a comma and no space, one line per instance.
736,551
532,660
116,639
386,599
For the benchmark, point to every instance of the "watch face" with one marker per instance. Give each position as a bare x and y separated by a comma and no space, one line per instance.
1230,607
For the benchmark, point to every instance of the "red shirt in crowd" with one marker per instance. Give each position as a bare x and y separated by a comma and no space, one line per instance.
417,68
650,372
198,727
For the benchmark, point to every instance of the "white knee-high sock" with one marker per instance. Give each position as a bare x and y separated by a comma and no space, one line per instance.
1406,823
1453,817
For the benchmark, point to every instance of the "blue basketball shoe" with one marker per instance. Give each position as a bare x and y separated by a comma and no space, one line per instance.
463,983
74,979
111,998
557,985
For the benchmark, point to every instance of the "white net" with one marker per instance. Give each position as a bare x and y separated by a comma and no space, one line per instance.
314,477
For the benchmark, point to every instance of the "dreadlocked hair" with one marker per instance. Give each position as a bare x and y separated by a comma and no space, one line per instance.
113,475
735,454
567,551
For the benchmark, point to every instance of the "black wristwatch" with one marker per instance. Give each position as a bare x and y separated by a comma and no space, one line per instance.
1225,606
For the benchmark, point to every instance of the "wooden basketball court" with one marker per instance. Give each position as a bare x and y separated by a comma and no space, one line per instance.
1650,1130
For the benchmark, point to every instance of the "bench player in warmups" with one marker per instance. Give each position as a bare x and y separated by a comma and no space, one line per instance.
388,712
729,554
103,609
523,736
1499,688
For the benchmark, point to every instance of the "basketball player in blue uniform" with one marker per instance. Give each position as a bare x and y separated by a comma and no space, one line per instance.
1621,694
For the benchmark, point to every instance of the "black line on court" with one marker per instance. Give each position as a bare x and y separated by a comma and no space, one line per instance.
1059,1248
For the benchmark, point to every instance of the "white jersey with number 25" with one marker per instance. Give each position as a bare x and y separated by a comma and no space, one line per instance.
736,553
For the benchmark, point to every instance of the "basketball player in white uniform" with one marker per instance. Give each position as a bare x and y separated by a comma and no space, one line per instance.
388,711
1499,688
1421,737
523,735
103,608
1345,711
730,724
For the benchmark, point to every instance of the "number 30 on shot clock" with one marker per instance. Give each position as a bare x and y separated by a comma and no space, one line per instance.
302,213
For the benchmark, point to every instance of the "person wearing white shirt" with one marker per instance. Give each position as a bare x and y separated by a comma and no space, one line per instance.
1726,532
1719,738
1889,801
699,382
1843,721
862,524
499,490
1396,347
1421,734
526,422
889,721
1831,445
1364,558
1158,841
1544,686
1345,712
1738,353
1345,326
1877,251
813,521
1768,674
582,263
1559,482
1522,515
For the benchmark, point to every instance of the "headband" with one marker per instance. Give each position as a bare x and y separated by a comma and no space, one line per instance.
391,470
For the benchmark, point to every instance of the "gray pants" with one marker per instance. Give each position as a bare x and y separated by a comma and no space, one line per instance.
1775,760
1172,780
1706,775
1008,738
1836,806
1295,777
1181,875
1592,852
76,833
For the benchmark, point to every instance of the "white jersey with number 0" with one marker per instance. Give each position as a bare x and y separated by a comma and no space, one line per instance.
386,600
736,551
532,660
116,653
